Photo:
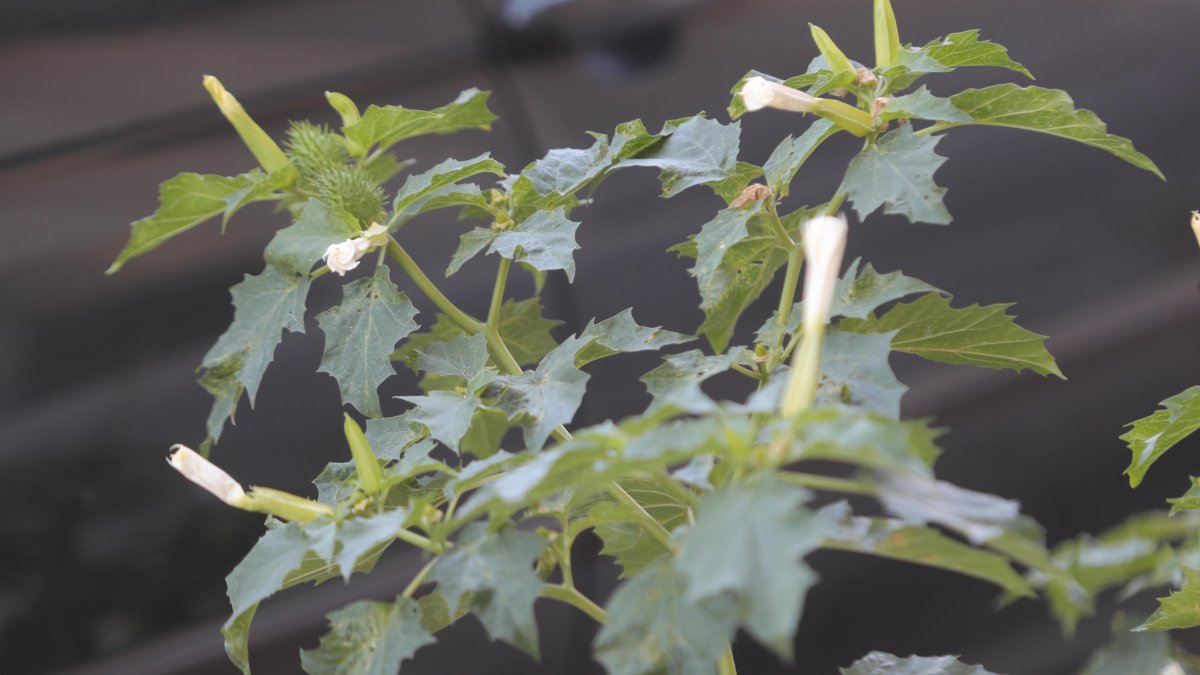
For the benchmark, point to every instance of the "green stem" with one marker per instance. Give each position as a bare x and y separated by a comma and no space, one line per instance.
828,483
410,267
806,370
745,371
422,542
319,273
935,128
418,580
836,203
578,600
647,521
787,298
726,665
493,317
780,230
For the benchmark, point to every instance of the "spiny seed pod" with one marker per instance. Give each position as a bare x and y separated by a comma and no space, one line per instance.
350,189
314,149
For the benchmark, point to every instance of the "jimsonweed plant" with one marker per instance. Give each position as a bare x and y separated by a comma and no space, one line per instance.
704,504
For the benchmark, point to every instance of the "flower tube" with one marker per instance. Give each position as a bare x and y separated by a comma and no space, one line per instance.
758,93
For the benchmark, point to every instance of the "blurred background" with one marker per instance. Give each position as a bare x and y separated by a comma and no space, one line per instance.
110,563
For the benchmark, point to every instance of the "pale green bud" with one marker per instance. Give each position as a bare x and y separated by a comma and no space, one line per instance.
887,35
265,150
370,476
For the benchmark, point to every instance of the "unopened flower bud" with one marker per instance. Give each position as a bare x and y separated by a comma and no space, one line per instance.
376,235
370,476
196,468
865,77
265,150
824,244
754,192
1196,225
758,93
879,104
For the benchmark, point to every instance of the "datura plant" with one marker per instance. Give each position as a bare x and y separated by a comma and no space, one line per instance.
706,505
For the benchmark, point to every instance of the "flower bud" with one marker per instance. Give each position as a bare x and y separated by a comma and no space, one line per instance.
865,77
344,256
824,244
370,476
196,468
755,192
285,505
376,235
758,93
265,150
833,55
1196,225
887,35
879,104
344,107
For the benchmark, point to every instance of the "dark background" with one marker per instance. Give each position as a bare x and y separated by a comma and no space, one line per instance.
109,563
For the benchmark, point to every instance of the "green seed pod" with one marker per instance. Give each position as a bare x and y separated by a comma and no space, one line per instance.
370,475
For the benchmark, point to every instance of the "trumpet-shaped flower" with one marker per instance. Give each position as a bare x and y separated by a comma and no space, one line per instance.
758,93
344,256
196,468
824,243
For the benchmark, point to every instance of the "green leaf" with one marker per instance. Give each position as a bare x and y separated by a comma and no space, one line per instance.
1130,652
389,437
879,663
620,334
1152,436
896,172
258,186
388,125
1049,111
1180,609
696,151
1190,501
976,336
221,380
360,335
965,49
497,568
543,399
423,191
737,257
864,439
919,545
183,202
259,575
545,241
725,551
462,357
524,331
470,244
565,171
923,105
368,638
787,158
296,248
264,306
653,629
447,414
855,372
357,537
978,516
676,383
624,538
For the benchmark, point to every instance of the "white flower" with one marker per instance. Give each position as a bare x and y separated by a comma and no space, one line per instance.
343,257
377,234
758,93
1196,225
824,243
207,475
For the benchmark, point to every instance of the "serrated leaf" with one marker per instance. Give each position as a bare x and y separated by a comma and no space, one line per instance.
360,334
653,629
1049,111
737,257
865,439
726,552
696,151
879,663
368,638
787,158
624,538
436,184
1129,652
388,125
923,105
732,187
962,49
221,381
524,330
336,483
264,305
896,172
183,202
676,383
470,244
447,414
259,575
357,537
978,516
855,372
925,546
547,397
389,437
565,171
1180,609
497,568
544,240
1150,437
257,186
620,334
984,336
1190,501
296,248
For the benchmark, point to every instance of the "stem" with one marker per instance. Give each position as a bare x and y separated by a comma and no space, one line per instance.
578,600
935,128
647,521
410,267
322,271
787,298
836,203
726,665
493,317
745,371
419,541
829,483
806,369
418,580
780,230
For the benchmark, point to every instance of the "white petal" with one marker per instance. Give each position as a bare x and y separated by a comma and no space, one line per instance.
824,244
207,475
758,93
